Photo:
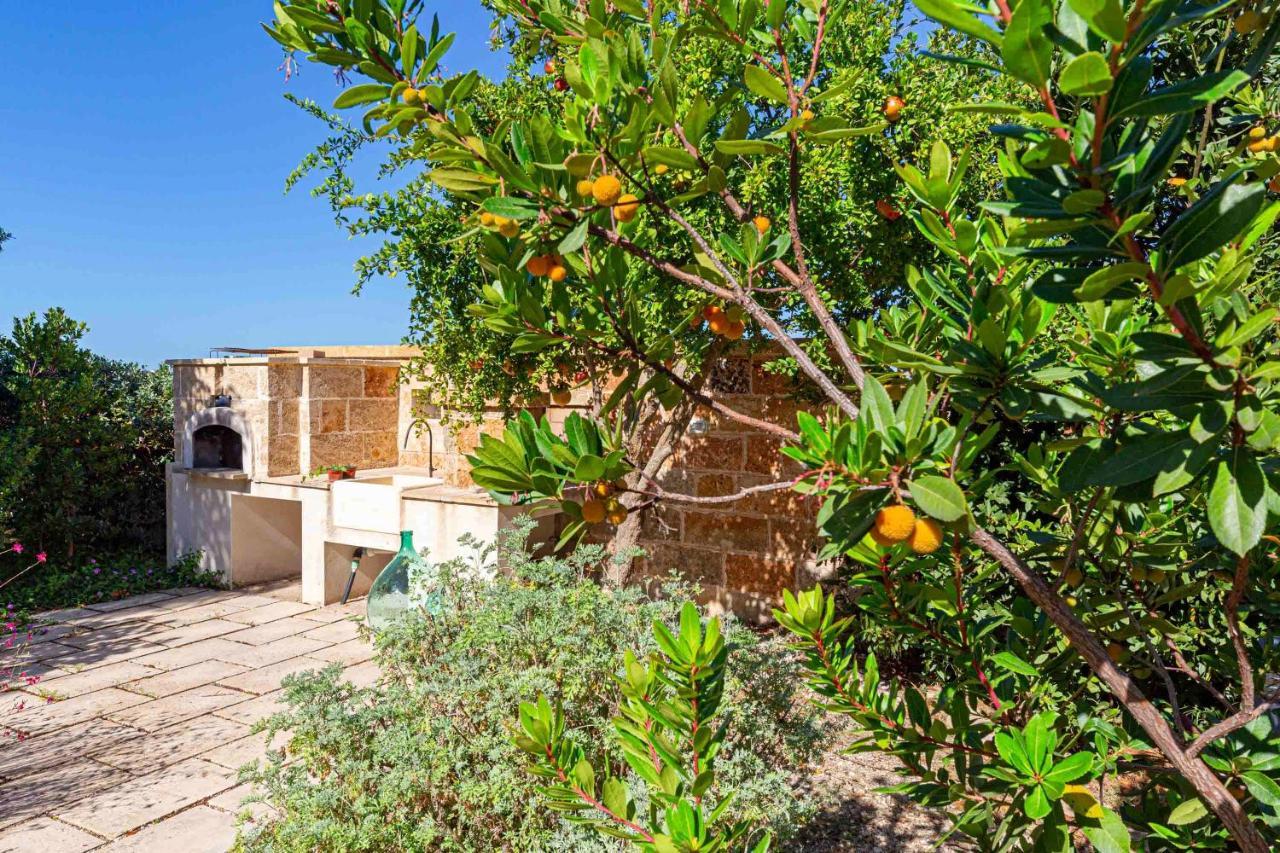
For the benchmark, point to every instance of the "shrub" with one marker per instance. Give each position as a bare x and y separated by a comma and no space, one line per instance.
425,759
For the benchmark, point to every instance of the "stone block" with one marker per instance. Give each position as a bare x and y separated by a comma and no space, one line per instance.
758,575
284,381
328,416
726,532
381,381
335,632
268,678
269,632
131,601
379,448
63,683
150,797
24,757
373,416
661,523
258,708
184,678
182,656
336,449
282,455
254,747
40,716
348,653
265,655
57,788
697,565
44,834
331,381
242,381
269,612
708,452
763,457
284,417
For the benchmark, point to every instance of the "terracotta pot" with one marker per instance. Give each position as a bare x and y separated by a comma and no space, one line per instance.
349,473
334,476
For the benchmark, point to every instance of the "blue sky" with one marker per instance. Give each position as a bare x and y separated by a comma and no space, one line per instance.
143,152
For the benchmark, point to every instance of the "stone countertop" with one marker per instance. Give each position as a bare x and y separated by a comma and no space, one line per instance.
440,492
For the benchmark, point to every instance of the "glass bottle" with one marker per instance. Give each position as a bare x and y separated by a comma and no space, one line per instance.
389,596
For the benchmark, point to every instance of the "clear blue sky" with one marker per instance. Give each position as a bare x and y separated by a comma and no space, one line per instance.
143,152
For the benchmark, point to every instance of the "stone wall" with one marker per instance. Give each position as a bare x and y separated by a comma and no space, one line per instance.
353,412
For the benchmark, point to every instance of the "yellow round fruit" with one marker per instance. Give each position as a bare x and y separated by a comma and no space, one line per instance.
735,330
615,511
893,107
486,219
719,324
1138,574
1257,132
627,207
806,116
761,223
605,190
510,229
538,265
661,169
926,536
412,96
1071,601
895,523
1177,181
1247,21
584,187
1075,577
879,539
603,489
557,272
593,512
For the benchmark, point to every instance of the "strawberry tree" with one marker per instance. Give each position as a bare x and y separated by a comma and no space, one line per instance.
1048,459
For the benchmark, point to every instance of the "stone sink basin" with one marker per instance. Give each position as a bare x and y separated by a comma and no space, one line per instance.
373,502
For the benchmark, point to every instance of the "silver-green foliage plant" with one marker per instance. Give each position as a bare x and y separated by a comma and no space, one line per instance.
424,760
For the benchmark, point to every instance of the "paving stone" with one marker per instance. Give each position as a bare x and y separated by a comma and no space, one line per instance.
193,632
48,717
162,713
44,651
192,590
335,632
203,650
23,757
148,798
271,612
248,749
65,683
123,632
46,835
199,829
259,656
45,633
253,710
101,654
348,653
55,788
203,596
118,617
268,678
232,800
269,632
362,674
184,678
324,614
199,613
132,601
65,614
152,751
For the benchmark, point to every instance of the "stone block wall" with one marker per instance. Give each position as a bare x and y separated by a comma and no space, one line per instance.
352,414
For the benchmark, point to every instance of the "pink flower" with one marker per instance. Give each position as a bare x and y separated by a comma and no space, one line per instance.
41,557
17,547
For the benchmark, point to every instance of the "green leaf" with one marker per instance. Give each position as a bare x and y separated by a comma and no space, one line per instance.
1107,279
1186,812
747,147
589,468
512,208
1110,835
1105,17
1027,51
959,18
1238,502
1087,74
1184,97
1037,804
1071,768
939,497
363,94
1013,663
1209,224
1263,788
764,84
1138,459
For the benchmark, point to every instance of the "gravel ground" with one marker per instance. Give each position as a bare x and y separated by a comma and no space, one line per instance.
852,817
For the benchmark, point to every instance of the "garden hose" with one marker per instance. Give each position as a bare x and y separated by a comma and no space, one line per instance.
351,578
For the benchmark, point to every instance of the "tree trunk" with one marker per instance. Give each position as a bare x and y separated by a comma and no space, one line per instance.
627,535
1204,780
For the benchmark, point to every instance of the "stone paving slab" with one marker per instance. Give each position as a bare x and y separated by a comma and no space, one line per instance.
147,798
199,829
156,695
45,834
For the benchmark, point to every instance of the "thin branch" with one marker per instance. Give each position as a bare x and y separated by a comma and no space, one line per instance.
1238,720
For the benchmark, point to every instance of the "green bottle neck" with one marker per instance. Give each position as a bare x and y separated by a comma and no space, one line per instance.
406,542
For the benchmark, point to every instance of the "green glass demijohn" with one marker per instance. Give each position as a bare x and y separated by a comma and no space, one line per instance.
389,596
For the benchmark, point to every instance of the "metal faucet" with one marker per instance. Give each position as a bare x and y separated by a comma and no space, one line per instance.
431,443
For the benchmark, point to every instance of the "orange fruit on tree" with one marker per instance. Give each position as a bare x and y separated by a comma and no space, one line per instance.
1246,22
617,513
893,107
593,511
886,209
926,536
538,265
719,324
412,96
605,190
1274,184
895,523
735,330
584,187
709,313
558,272
1257,132
1177,181
660,169
761,223
603,488
806,116
550,66
627,207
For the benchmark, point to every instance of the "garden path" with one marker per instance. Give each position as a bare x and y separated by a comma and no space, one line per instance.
154,697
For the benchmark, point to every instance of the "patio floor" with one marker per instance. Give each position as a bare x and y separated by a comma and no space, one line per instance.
155,695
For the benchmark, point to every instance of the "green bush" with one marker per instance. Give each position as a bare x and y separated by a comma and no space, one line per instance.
425,760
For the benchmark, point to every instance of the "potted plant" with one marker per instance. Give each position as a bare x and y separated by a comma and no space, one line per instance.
335,472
